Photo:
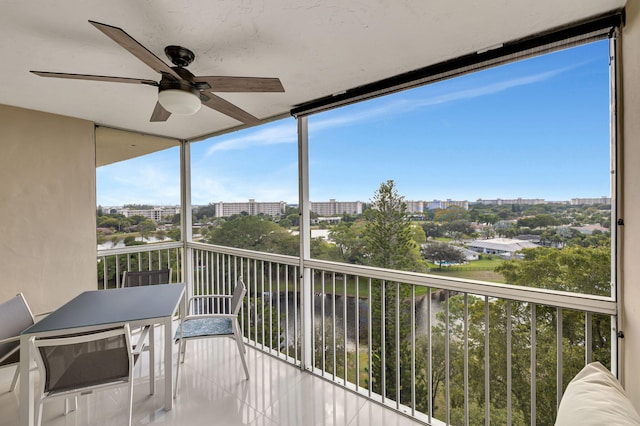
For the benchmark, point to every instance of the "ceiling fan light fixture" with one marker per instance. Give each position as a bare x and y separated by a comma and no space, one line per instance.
179,102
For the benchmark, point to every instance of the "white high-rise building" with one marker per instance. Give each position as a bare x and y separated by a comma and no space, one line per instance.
252,208
333,207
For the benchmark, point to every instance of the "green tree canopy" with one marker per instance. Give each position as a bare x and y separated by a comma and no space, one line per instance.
349,240
538,221
440,252
388,235
576,269
255,233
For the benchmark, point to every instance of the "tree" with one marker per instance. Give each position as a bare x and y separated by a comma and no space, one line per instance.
175,234
459,227
138,206
255,233
145,228
432,229
108,222
417,234
388,243
576,269
161,234
349,240
204,212
538,221
439,253
320,249
387,234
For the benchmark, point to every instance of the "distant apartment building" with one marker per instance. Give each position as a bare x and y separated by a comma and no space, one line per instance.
157,214
333,207
601,200
415,206
421,206
521,201
252,208
437,204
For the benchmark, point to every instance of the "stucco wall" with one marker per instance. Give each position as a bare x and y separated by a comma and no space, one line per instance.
47,207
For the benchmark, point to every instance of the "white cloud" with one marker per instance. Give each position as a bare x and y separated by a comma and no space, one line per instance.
152,180
286,132
280,184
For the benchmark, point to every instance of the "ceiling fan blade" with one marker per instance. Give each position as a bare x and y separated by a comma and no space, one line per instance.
159,113
242,84
227,108
95,77
139,51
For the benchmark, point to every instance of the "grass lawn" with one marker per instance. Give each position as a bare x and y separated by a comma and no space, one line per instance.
482,270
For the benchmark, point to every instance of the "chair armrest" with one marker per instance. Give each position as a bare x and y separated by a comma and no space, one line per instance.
140,345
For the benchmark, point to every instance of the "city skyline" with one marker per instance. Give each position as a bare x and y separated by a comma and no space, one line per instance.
501,201
537,128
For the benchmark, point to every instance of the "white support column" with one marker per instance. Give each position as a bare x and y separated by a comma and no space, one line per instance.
617,202
185,215
305,243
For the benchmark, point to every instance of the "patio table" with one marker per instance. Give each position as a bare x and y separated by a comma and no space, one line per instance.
95,310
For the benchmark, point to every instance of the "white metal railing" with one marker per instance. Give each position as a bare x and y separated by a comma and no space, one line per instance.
113,262
450,349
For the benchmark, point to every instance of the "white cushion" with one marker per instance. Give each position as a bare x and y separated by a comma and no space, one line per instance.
595,397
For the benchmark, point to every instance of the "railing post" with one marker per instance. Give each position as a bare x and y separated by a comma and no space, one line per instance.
305,244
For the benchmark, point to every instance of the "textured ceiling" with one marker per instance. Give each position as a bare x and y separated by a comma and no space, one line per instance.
316,48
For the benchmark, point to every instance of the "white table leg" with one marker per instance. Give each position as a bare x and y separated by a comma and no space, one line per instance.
26,383
168,365
152,360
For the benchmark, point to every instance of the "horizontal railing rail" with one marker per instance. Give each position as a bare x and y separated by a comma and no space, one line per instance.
113,262
584,302
140,248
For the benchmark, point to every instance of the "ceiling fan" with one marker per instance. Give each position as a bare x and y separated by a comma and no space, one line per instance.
179,91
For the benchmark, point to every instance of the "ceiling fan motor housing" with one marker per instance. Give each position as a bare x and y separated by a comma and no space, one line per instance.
179,56
178,96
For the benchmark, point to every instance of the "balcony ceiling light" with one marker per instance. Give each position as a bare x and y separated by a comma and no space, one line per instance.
179,101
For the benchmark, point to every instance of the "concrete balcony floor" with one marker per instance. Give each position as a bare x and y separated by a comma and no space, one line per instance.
213,391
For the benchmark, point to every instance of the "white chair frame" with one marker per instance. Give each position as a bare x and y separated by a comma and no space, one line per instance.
181,339
12,339
133,353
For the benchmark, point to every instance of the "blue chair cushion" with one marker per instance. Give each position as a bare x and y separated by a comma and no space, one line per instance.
202,327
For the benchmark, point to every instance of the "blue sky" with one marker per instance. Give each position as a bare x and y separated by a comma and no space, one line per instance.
537,128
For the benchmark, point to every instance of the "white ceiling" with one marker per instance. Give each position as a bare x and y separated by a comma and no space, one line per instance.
315,47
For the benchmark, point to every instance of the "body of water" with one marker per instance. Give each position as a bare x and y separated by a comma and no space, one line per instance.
339,307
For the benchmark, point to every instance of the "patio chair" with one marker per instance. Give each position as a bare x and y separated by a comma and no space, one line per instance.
140,278
145,278
78,364
202,321
15,317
